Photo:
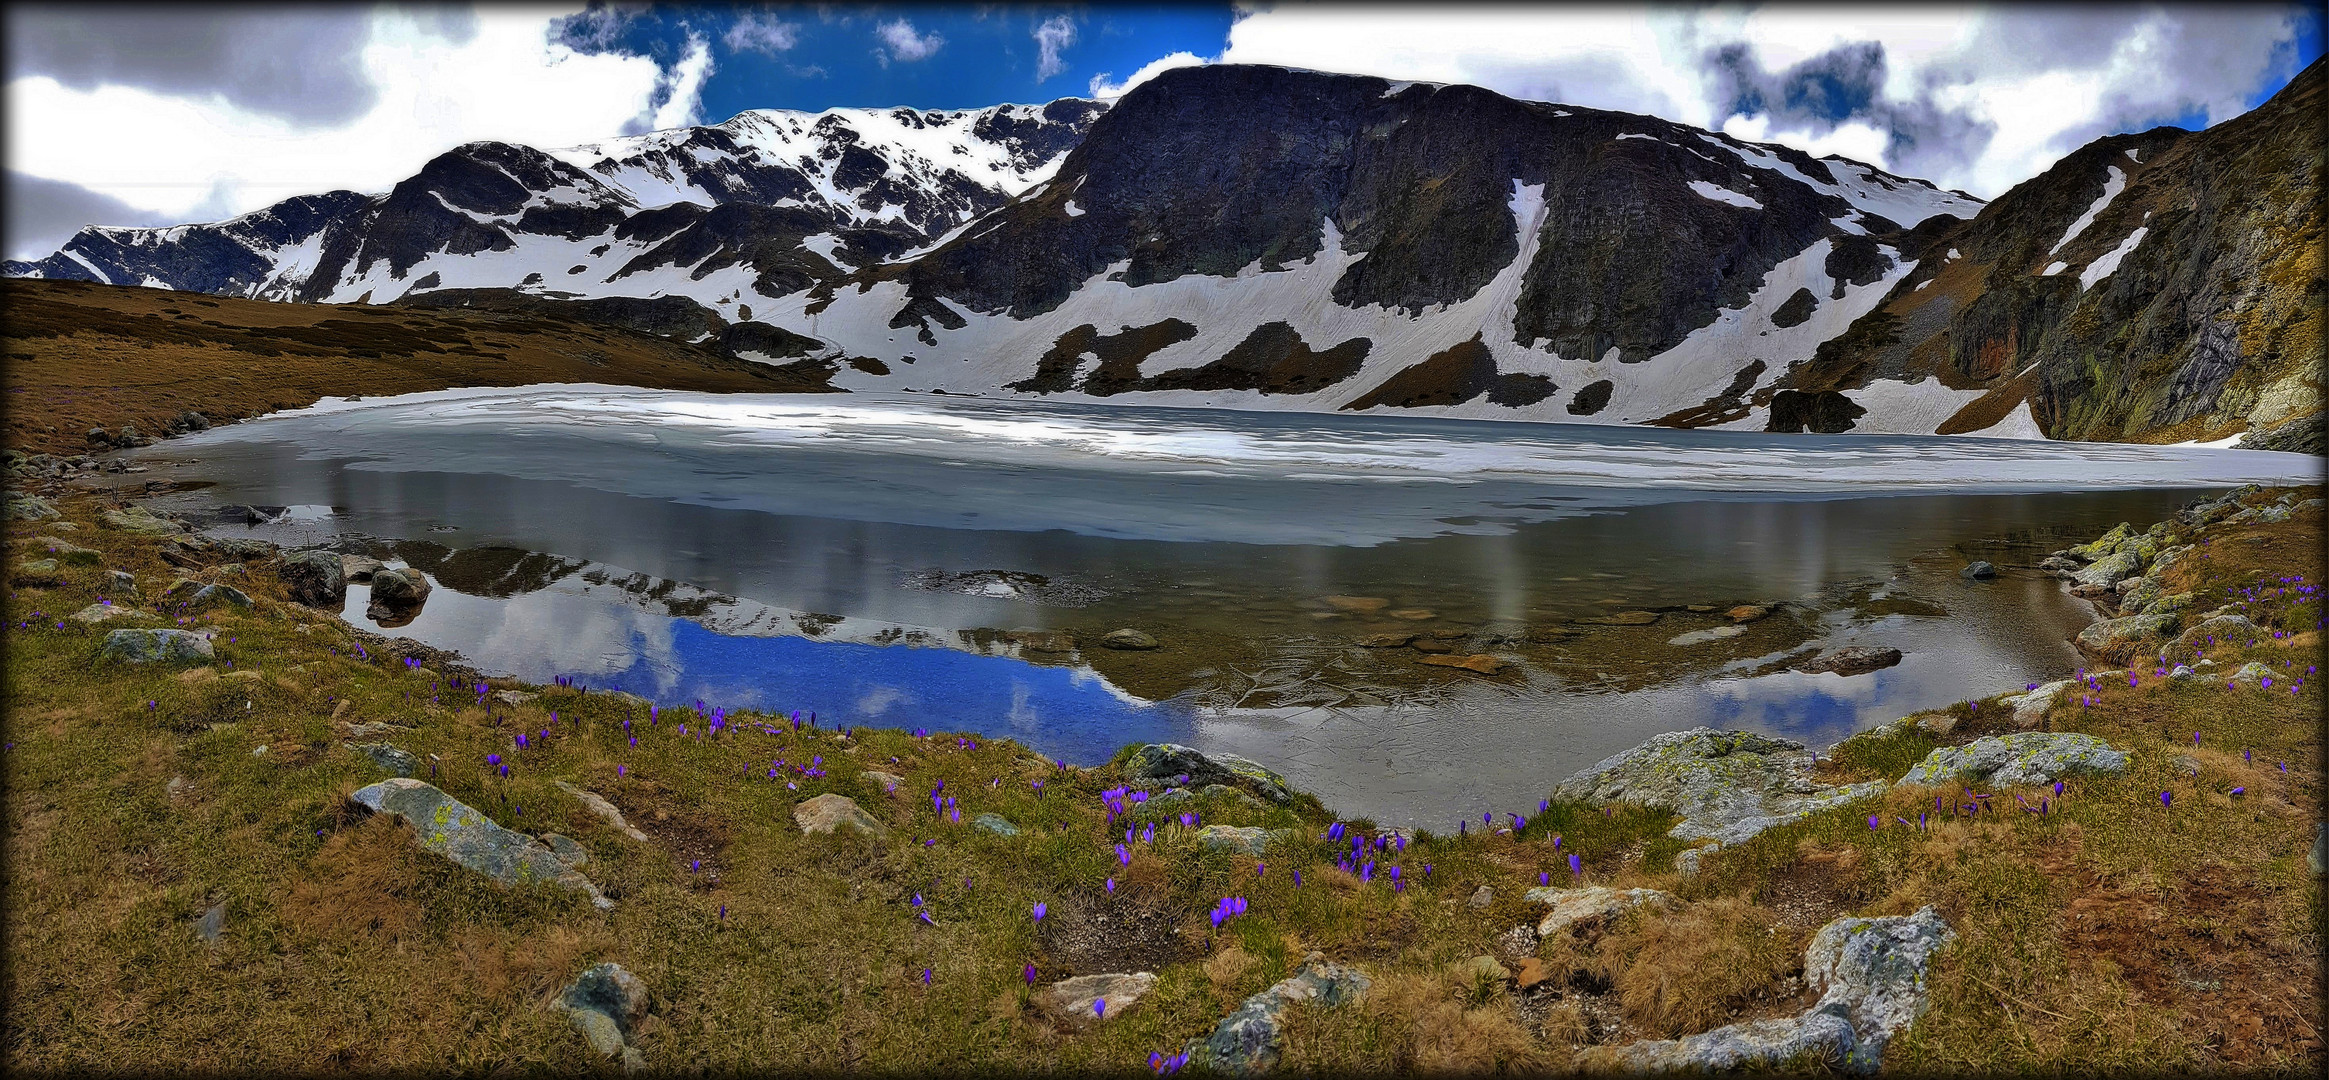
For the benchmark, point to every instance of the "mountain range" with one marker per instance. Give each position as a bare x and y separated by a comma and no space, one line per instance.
1266,238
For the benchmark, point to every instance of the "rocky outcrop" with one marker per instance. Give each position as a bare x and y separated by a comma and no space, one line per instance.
315,578
2019,760
155,647
1873,975
606,811
609,1006
449,827
1086,1000
2206,634
2117,639
1728,785
1248,1041
828,813
1172,763
1583,910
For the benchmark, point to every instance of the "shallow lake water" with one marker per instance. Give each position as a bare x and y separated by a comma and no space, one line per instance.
952,563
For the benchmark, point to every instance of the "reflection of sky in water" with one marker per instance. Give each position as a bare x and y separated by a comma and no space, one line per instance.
1068,713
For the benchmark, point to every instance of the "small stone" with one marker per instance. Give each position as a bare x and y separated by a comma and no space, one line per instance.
1852,660
100,613
359,567
1580,911
1530,973
1415,614
1938,723
211,927
513,697
994,823
121,581
1747,613
608,1005
883,780
1978,571
1247,840
826,813
1358,605
1070,1001
1389,641
1712,633
1624,618
1432,647
155,647
397,760
1519,941
1482,968
1127,638
597,804
1481,663
1482,897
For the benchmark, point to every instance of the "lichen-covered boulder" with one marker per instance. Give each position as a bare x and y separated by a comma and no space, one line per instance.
2207,634
405,587
395,759
1247,840
2030,707
1816,1036
65,551
138,519
1577,911
2135,592
1727,785
608,1004
30,508
104,613
2103,545
1248,1040
451,828
359,567
155,647
2017,760
314,578
994,823
1168,762
2108,571
2117,639
826,813
36,572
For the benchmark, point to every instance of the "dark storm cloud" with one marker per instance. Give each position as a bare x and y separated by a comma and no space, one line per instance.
300,64
42,213
1840,86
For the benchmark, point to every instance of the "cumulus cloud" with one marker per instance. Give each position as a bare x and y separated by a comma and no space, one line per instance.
679,93
299,65
762,34
900,42
1972,98
1055,33
1102,88
169,154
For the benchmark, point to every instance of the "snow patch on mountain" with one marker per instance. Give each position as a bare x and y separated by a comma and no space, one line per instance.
2116,183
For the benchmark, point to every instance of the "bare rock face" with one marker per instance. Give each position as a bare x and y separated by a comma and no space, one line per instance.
827,813
1170,762
1727,785
1087,1000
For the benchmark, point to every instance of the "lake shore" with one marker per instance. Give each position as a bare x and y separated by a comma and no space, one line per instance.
155,770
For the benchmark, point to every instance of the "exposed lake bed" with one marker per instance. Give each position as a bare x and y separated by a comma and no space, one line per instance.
1413,620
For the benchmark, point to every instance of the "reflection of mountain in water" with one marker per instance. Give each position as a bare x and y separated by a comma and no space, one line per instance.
486,571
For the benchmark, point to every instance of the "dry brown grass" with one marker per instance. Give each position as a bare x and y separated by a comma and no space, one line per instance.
1694,967
82,355
1417,1023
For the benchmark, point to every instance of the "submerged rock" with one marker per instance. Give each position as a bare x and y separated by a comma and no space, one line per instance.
1168,762
155,647
1481,663
1874,976
1248,1040
1747,613
2018,760
359,567
1852,660
1978,570
1624,618
451,828
1127,638
1727,785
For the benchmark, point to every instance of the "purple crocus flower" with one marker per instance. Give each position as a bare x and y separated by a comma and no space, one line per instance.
1030,973
2240,791
2166,798
1544,877
2058,789
1123,855
1039,910
925,915
1111,886
1100,1007
1576,866
925,971
1874,821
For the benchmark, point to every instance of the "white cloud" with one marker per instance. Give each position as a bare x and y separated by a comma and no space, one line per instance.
685,85
1972,98
168,154
1102,88
761,34
1056,33
904,44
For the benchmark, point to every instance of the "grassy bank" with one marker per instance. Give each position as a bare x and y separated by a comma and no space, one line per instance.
2113,932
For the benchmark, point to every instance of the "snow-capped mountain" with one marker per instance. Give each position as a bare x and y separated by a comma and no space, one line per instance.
1236,236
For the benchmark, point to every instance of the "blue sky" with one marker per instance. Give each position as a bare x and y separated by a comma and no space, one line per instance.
809,60
154,116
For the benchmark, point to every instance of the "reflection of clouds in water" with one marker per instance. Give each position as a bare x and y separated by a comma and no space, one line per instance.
877,701
1022,716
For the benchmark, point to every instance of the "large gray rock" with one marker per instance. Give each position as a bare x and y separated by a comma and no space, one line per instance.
450,828
825,813
138,519
406,587
1578,911
2103,545
30,508
2207,634
597,804
2030,707
1874,976
1248,1040
1979,570
314,578
1127,638
608,1005
395,759
994,823
105,613
1071,1002
1852,660
155,647
2021,759
2116,639
2108,571
66,551
1727,785
1168,762
1247,840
